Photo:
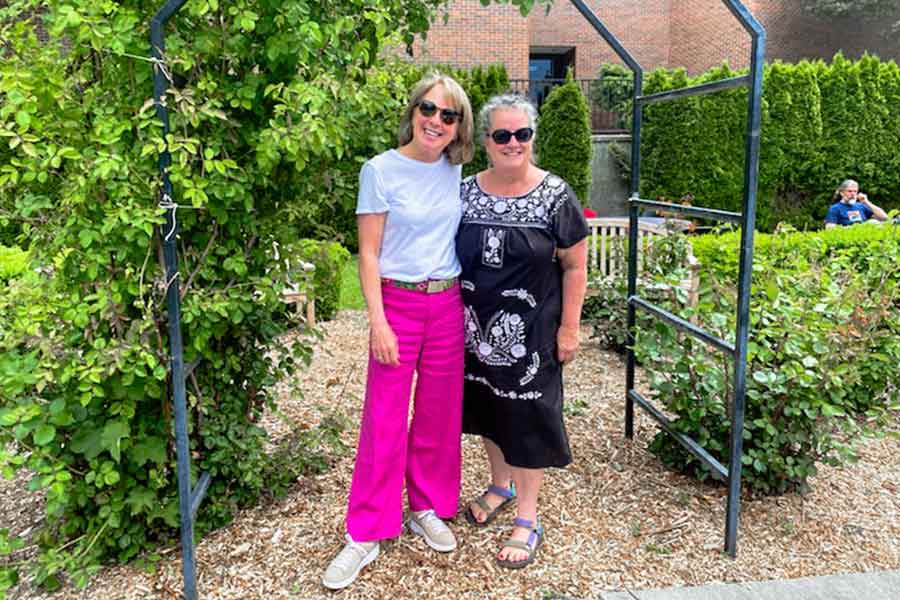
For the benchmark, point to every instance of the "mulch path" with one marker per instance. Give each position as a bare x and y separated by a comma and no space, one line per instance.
615,518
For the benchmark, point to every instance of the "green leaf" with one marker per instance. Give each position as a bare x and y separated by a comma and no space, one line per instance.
140,499
87,441
149,449
112,436
44,434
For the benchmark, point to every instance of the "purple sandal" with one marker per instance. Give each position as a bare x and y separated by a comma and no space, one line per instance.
507,494
531,546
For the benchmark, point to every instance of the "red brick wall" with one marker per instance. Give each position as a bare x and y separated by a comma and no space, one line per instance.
641,26
478,35
696,34
704,33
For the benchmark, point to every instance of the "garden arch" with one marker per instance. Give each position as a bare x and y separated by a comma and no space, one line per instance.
190,498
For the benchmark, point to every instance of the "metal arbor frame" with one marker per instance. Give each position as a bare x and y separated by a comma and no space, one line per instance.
188,499
747,221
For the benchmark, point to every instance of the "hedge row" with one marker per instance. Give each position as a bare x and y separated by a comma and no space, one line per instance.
824,342
821,123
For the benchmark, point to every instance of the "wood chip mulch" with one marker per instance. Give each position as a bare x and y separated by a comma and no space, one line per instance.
615,518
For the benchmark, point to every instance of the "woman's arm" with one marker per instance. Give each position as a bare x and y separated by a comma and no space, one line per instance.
574,284
382,340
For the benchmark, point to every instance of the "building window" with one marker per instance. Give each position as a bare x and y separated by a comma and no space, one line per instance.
547,66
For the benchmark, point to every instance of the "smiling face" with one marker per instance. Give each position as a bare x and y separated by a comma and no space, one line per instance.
431,135
514,154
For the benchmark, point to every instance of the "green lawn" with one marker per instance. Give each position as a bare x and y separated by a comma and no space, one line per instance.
351,294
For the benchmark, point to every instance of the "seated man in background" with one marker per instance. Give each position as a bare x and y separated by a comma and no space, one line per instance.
851,207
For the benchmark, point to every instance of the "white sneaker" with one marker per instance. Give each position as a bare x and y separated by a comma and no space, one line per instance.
345,567
433,529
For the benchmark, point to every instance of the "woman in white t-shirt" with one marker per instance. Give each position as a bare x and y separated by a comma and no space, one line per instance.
408,211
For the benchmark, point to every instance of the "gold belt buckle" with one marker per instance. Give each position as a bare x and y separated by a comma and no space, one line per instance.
436,286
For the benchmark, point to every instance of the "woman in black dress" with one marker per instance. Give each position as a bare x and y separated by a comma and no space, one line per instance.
523,252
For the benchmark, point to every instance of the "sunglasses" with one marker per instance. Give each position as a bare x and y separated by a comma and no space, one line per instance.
449,117
503,136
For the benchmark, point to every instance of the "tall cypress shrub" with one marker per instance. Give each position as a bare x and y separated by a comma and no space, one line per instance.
563,142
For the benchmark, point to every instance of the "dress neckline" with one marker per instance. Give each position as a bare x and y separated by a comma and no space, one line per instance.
525,195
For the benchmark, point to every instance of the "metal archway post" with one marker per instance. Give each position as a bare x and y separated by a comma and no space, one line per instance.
746,219
188,500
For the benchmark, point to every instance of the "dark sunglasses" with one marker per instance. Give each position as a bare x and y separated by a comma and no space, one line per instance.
449,117
502,136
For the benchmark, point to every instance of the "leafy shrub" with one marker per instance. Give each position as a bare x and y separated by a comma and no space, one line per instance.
821,123
273,106
563,142
662,270
13,262
329,259
613,91
824,330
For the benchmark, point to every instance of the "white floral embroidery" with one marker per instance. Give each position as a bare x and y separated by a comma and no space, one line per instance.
532,369
467,285
536,208
503,344
521,294
511,394
492,247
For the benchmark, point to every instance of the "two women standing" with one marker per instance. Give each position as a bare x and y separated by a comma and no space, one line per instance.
520,242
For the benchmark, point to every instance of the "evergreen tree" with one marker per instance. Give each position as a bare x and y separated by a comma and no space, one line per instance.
563,143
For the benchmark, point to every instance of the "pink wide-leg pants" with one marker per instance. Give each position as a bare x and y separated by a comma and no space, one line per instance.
425,454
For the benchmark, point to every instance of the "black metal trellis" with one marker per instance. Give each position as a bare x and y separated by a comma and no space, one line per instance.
188,500
747,220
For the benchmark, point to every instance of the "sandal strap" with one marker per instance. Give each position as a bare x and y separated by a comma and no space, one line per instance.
502,492
482,503
520,522
519,545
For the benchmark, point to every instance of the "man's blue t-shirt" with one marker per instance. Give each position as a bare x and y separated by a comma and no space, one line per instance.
842,213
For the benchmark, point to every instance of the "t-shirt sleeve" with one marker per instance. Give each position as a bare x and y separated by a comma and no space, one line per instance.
832,215
569,225
372,197
866,211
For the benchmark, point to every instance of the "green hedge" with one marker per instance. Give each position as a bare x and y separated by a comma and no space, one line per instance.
824,344
329,259
563,144
821,123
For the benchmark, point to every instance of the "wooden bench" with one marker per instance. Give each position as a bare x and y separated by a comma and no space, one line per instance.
306,306
606,248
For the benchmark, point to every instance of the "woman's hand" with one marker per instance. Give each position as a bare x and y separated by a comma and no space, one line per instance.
567,343
383,344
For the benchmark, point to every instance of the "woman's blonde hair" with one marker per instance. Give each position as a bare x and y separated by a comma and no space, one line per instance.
462,148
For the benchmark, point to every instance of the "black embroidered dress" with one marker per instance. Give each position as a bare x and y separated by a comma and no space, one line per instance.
512,291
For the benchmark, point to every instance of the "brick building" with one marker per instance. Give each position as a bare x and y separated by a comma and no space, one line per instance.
695,34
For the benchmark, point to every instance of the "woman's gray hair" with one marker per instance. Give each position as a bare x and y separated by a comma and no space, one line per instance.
505,101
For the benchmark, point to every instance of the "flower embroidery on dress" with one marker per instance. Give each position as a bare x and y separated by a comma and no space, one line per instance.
467,285
532,369
492,247
534,209
521,294
503,344
511,394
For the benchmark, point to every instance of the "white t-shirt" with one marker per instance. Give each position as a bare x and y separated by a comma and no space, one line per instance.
423,212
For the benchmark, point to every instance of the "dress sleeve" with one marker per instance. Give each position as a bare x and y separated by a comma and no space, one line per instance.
569,224
372,197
